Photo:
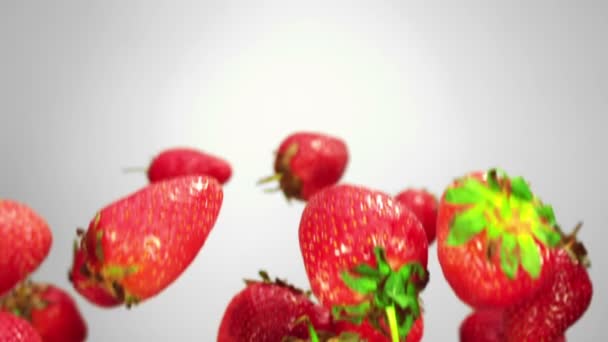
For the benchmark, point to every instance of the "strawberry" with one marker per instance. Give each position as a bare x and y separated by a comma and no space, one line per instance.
15,329
307,162
494,239
561,303
424,205
482,326
365,256
50,310
182,161
25,242
367,332
267,311
137,246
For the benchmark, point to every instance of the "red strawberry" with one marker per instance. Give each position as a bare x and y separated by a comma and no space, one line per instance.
137,246
266,311
25,242
424,205
560,304
307,162
176,162
366,332
494,240
365,255
482,326
15,329
80,276
50,310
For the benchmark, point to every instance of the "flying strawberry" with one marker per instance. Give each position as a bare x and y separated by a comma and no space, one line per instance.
15,329
365,256
267,311
494,240
560,304
49,309
367,332
186,161
482,326
307,162
424,205
137,246
25,242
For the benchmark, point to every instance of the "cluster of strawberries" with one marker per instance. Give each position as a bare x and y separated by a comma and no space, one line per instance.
365,254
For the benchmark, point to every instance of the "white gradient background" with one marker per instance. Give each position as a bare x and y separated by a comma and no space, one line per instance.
421,93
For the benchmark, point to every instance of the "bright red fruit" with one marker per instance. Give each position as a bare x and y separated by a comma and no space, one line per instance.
366,332
49,309
424,204
560,304
137,246
307,162
177,162
15,329
482,326
266,311
25,242
494,240
364,253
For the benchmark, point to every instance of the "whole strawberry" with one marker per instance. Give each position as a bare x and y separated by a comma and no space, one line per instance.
25,242
560,304
183,161
494,240
15,329
137,246
49,309
424,204
365,256
307,162
482,326
267,311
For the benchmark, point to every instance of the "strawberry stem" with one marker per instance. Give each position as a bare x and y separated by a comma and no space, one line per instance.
392,322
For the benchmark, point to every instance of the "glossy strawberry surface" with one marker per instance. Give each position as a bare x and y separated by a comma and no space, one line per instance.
183,161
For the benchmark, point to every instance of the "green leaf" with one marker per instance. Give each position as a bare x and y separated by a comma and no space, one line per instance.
547,236
394,285
546,212
508,257
119,272
464,194
493,231
383,266
381,299
530,256
367,271
465,226
357,310
405,271
493,180
362,285
520,188
406,326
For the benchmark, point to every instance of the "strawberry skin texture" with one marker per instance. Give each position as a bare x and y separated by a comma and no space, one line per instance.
424,204
309,162
556,308
482,326
473,269
25,242
369,334
15,329
138,245
267,313
339,228
177,162
50,310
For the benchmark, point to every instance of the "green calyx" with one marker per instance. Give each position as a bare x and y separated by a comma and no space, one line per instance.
321,336
513,219
389,294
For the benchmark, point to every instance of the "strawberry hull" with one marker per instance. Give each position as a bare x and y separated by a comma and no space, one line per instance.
494,248
25,242
137,246
368,333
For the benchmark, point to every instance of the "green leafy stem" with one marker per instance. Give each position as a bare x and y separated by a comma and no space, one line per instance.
392,295
510,215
